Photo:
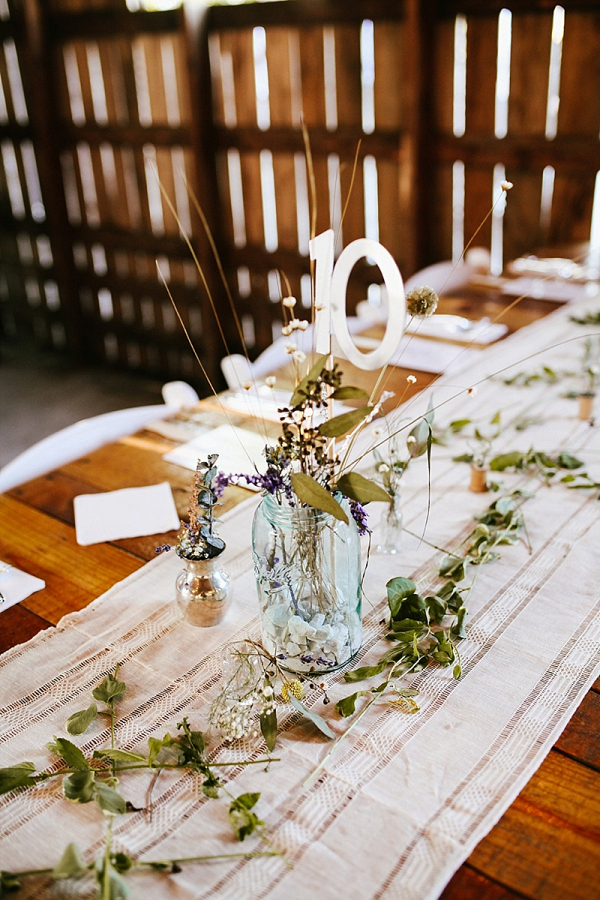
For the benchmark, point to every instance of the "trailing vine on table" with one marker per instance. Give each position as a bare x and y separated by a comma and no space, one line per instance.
95,780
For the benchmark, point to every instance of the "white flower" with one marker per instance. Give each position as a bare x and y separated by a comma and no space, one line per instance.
302,324
299,356
506,185
290,347
411,439
247,385
286,330
270,381
412,379
290,302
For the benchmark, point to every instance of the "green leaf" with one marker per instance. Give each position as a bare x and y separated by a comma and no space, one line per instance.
341,425
312,375
314,494
117,755
109,689
122,862
71,754
566,461
365,672
21,775
268,727
457,671
79,786
210,787
242,819
314,717
117,888
350,393
397,590
81,721
347,706
8,883
458,424
109,800
458,629
155,745
357,487
71,864
453,567
507,461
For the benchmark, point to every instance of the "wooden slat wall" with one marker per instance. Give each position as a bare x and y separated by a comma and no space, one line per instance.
568,153
30,296
310,54
132,92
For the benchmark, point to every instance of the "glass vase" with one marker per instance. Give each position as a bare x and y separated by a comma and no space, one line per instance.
390,525
203,592
307,568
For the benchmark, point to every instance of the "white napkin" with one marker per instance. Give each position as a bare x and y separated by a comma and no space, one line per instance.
131,512
16,586
239,450
448,327
546,289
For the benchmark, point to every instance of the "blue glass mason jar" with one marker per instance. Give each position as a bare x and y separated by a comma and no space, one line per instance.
308,576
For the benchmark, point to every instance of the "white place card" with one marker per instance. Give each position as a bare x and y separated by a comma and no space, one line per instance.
16,585
239,450
130,512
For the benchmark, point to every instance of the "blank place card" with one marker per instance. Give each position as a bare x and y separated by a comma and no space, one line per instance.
131,512
16,585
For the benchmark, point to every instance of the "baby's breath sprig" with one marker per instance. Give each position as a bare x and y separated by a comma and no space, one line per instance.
248,698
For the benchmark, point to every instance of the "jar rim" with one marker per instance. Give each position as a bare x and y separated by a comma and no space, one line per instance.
279,513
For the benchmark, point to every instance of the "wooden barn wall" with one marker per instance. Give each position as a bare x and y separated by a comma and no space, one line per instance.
415,112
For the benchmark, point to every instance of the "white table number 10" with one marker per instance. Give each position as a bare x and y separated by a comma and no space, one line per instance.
331,283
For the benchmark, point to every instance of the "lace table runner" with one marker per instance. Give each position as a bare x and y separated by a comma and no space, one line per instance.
404,799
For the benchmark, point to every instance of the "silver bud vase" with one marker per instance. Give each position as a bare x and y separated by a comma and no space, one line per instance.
203,592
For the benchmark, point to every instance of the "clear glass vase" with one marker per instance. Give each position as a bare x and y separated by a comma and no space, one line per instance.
389,533
203,592
307,568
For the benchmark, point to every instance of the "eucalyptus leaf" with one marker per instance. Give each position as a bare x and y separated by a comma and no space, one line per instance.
458,424
312,375
81,721
21,775
314,717
71,864
566,461
350,393
79,786
342,424
117,887
357,487
109,800
268,727
71,754
314,494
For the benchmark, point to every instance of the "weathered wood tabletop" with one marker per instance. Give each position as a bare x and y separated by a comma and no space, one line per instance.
547,844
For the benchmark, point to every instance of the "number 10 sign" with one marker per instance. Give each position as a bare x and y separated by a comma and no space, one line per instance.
331,283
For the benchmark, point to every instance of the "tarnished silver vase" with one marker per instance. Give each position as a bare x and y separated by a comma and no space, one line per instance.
203,592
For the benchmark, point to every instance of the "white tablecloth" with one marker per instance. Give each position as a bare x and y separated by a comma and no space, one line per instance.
404,799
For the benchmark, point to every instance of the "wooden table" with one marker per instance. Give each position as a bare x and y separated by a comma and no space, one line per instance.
546,846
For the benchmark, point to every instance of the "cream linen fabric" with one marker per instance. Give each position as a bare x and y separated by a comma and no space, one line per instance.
403,799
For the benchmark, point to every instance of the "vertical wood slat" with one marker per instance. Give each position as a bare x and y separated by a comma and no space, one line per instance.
529,69
579,110
389,51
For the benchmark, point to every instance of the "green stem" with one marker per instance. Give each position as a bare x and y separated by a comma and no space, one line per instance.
107,863
194,859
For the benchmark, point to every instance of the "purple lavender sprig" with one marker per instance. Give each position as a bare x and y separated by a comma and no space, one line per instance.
360,516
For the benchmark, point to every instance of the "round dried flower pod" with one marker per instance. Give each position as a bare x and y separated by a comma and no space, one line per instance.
294,688
422,301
